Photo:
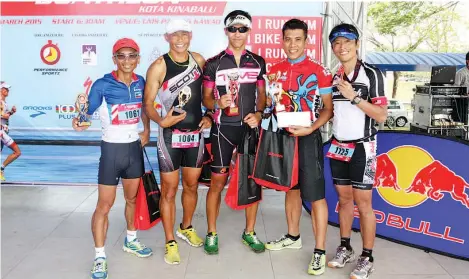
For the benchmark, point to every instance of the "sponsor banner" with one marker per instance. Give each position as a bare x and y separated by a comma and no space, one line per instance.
420,194
58,53
50,8
266,37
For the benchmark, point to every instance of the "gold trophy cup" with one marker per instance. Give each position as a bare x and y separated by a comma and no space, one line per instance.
183,97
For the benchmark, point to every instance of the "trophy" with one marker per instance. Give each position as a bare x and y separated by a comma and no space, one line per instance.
233,89
274,89
81,105
183,97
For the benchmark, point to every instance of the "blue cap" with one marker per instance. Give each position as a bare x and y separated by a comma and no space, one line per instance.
348,35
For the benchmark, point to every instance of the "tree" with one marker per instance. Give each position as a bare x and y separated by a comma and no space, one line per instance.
417,22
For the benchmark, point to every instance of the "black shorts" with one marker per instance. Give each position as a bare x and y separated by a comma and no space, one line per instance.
360,171
120,160
311,181
224,140
171,159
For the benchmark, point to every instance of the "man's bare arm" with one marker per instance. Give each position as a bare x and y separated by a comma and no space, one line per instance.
199,59
155,74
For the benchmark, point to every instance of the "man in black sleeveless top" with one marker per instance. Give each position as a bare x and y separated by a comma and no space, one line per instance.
175,79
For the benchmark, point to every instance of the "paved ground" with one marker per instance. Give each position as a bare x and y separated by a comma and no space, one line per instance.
46,234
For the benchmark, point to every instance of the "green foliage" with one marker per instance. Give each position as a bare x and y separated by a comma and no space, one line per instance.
392,18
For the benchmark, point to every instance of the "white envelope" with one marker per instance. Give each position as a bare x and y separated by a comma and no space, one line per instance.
287,119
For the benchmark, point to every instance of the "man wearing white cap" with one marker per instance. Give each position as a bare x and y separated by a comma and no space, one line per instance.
234,88
5,138
176,78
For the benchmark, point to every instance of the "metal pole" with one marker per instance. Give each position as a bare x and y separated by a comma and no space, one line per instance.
363,11
326,30
326,130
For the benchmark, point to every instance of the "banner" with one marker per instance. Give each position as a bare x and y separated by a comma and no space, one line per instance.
421,192
64,48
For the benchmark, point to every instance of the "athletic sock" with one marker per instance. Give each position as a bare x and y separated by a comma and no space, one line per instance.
367,253
99,252
294,238
182,228
131,235
319,251
345,242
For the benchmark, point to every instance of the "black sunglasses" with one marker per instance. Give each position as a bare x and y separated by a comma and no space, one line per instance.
233,29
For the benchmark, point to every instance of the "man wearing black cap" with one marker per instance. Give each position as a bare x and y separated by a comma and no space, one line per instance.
119,97
231,80
358,93
462,76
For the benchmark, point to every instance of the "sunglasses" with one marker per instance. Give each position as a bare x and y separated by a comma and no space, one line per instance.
233,29
132,56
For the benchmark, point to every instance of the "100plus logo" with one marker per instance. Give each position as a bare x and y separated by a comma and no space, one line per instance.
69,111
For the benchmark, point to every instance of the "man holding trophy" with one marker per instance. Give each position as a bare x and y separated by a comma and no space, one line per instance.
118,95
176,80
232,79
299,86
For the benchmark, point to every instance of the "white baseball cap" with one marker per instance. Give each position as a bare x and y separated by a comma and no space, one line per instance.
5,85
178,25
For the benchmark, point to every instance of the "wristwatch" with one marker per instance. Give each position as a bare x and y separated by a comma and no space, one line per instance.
356,100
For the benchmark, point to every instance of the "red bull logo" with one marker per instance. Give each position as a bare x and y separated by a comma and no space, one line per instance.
407,176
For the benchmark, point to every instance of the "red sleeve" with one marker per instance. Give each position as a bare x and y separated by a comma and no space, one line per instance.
324,80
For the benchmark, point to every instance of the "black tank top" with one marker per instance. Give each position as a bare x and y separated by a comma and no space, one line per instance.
182,85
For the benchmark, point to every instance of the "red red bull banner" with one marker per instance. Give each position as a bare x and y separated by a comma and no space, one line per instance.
420,194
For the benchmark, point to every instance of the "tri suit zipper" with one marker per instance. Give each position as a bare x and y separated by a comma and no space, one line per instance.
239,92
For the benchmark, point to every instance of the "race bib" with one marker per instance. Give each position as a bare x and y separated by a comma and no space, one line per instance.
125,114
341,151
185,139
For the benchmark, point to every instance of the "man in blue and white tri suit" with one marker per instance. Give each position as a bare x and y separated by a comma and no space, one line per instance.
119,96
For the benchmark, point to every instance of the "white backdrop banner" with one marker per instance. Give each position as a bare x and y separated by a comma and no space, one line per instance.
51,52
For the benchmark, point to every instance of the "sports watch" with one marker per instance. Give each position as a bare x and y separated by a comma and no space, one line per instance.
356,100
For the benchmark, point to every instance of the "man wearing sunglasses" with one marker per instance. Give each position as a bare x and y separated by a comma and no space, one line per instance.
359,101
175,79
118,95
234,89
306,86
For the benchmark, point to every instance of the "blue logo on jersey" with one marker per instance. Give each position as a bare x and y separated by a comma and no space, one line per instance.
138,92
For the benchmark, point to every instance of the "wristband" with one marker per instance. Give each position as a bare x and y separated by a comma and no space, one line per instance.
261,112
208,115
